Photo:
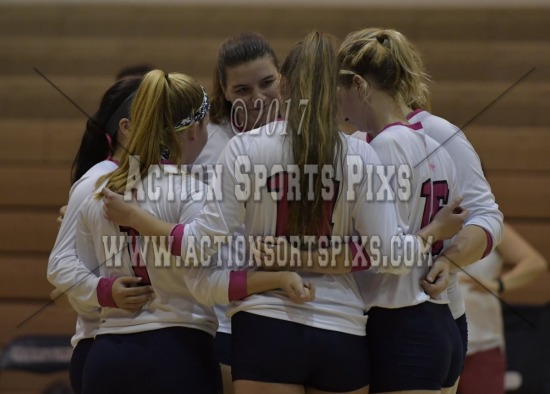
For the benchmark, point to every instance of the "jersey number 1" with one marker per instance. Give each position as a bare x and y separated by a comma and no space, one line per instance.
437,195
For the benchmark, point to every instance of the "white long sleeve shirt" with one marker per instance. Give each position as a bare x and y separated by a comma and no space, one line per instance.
72,271
254,165
474,188
433,184
183,295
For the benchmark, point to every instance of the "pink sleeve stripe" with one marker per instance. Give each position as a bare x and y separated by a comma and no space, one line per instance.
176,235
105,292
237,285
361,259
489,247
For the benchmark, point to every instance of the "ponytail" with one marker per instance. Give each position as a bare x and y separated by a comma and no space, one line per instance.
387,57
311,73
165,105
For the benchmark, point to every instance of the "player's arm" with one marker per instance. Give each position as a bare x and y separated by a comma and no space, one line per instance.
527,264
218,217
483,229
212,286
378,222
66,272
352,256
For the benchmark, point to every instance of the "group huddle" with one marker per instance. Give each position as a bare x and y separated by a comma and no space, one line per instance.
260,240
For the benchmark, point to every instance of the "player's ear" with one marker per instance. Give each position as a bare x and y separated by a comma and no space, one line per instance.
192,131
360,84
124,126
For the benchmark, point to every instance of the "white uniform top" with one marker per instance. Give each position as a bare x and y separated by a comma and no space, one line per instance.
485,327
474,188
338,306
218,138
69,270
432,185
177,287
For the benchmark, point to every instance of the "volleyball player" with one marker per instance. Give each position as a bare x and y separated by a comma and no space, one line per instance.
102,145
327,350
400,316
246,76
484,228
169,116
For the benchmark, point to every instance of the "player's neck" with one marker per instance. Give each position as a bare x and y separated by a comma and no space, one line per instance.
386,111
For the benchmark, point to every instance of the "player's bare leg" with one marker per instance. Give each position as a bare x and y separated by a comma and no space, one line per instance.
363,390
226,379
252,387
413,392
451,390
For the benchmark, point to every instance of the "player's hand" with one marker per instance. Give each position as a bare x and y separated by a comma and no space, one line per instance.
450,219
437,280
479,285
274,254
295,288
62,211
116,209
129,298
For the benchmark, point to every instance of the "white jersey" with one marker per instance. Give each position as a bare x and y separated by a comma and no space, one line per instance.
255,165
432,185
177,287
218,138
485,326
474,188
71,270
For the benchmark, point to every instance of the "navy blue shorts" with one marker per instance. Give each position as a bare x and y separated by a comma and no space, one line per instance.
169,360
413,348
78,359
222,344
279,351
462,324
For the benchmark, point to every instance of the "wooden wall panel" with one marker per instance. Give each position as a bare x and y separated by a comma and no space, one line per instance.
473,55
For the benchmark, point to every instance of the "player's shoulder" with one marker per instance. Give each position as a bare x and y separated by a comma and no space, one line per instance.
266,139
360,135
86,183
224,130
436,125
99,169
181,176
352,145
397,132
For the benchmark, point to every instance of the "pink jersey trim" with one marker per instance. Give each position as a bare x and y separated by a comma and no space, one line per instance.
105,292
489,246
369,138
414,113
414,126
176,235
238,286
361,260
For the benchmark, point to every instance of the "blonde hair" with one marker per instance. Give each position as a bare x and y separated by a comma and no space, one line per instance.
391,60
161,101
311,72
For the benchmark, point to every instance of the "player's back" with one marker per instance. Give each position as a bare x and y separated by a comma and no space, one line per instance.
170,195
267,180
432,184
